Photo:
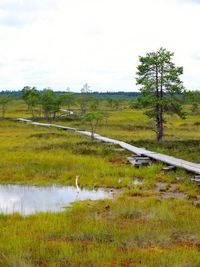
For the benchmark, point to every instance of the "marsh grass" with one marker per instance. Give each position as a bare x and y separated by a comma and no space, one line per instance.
135,231
181,136
135,228
48,156
33,155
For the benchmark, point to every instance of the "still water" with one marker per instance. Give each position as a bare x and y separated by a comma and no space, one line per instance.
32,199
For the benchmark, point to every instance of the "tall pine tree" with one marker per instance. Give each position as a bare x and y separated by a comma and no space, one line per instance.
161,87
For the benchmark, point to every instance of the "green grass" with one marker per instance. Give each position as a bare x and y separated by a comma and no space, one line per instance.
36,155
135,228
181,136
133,232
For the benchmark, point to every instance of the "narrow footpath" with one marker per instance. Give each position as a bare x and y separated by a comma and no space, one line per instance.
189,166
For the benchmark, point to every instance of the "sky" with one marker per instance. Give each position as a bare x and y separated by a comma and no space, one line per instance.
67,43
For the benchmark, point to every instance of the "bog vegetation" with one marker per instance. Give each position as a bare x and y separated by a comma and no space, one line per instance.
153,219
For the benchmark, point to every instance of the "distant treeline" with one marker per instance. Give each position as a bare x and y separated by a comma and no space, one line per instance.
11,93
121,94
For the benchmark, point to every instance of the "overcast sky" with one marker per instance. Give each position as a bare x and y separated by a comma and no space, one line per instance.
66,43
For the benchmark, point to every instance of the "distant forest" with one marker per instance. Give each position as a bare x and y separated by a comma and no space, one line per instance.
121,94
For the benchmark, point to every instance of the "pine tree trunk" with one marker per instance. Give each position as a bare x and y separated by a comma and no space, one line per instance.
160,126
161,129
158,117
159,106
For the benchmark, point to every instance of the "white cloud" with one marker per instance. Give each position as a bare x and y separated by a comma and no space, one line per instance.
18,13
189,1
69,42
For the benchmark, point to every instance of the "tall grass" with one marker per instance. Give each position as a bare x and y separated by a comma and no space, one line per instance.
135,228
133,232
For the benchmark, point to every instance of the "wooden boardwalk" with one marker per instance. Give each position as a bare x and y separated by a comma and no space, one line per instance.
189,166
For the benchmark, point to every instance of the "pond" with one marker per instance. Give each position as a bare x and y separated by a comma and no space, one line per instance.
32,199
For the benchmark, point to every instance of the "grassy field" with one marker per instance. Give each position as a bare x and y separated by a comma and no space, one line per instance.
182,137
150,224
135,231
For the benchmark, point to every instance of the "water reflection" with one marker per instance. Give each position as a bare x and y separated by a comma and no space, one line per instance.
31,199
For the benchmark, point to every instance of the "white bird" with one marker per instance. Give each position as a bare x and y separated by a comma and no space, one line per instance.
77,187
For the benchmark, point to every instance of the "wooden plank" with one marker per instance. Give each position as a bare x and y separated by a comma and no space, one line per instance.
23,120
168,168
64,127
189,166
139,160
